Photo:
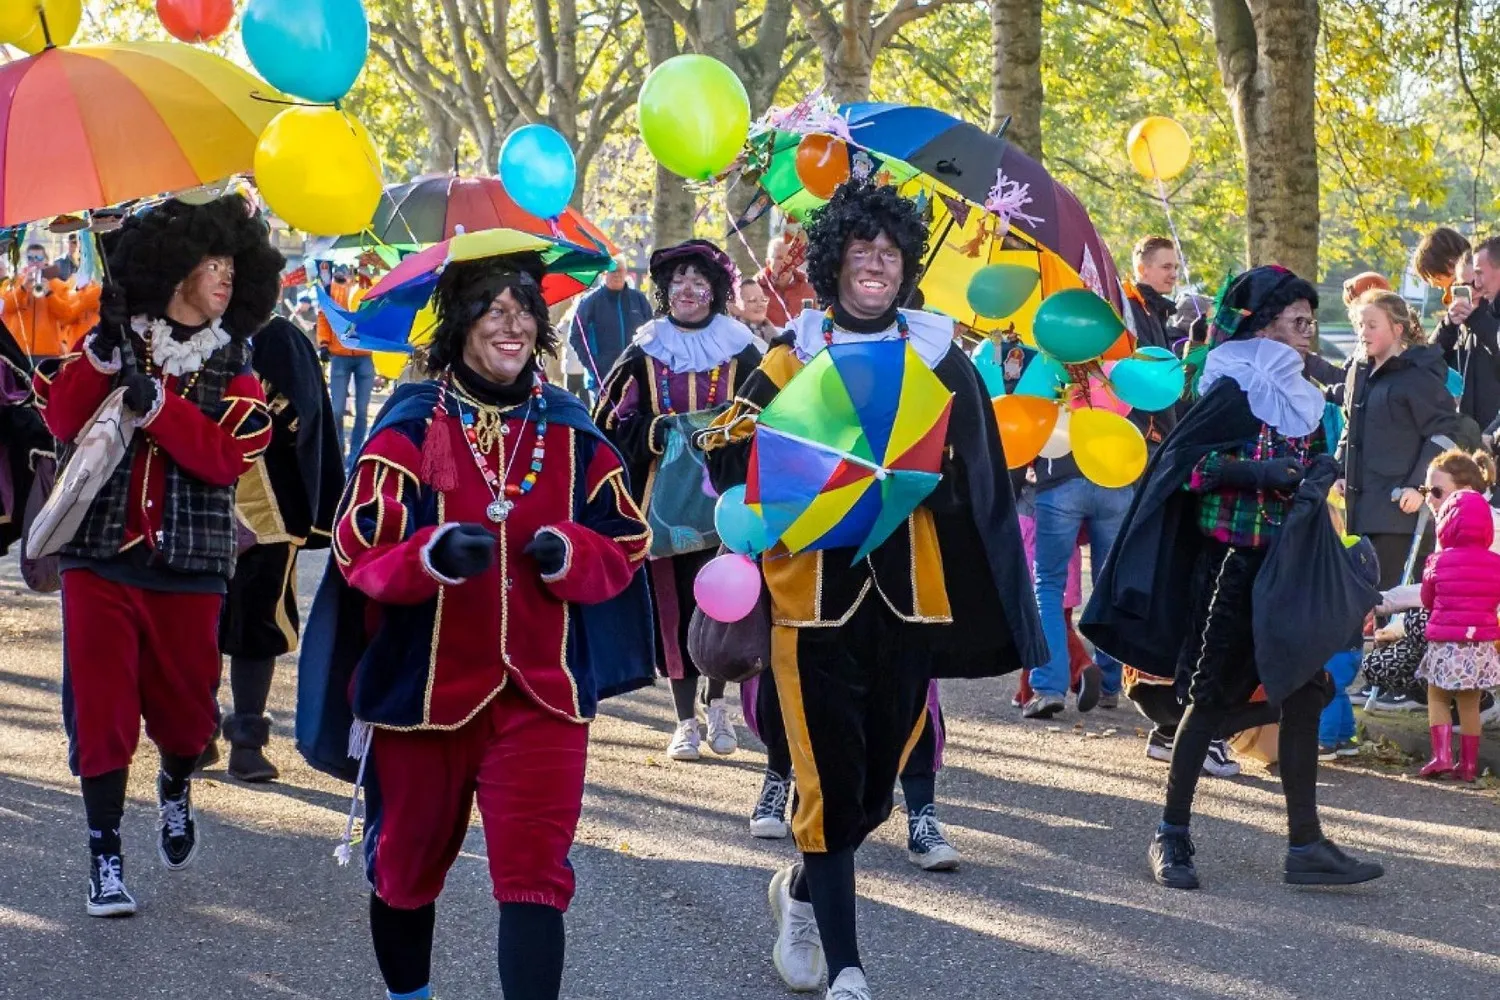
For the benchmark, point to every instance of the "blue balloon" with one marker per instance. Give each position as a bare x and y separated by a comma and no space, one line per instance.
989,369
1150,380
740,528
1043,376
312,49
538,171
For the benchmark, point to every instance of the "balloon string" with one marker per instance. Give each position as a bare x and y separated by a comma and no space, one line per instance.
583,338
749,252
1166,207
256,95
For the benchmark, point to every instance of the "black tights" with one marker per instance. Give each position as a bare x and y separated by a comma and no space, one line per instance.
685,694
250,683
827,882
529,952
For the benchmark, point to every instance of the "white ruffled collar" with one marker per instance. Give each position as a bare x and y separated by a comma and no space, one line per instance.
179,357
694,350
1270,373
931,335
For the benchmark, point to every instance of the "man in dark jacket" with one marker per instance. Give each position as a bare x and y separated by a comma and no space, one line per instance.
1149,300
1467,336
605,322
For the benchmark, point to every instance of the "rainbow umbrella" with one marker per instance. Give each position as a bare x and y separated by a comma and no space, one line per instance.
386,319
95,125
849,447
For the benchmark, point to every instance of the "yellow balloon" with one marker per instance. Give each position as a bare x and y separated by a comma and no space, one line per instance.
390,364
318,170
1159,148
1108,448
21,23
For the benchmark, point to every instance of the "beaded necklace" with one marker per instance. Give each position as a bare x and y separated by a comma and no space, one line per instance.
1265,444
664,387
901,328
505,494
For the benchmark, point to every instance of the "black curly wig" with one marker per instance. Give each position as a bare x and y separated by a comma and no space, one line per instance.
863,212
154,252
705,258
468,288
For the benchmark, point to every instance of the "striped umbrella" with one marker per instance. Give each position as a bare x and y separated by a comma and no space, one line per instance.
94,125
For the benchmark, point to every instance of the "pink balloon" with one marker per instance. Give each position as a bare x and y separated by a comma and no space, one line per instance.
728,587
1100,395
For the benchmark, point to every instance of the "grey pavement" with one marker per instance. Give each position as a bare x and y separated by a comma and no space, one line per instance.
1054,898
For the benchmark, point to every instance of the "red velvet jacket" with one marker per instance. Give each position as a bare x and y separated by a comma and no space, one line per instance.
215,448
509,624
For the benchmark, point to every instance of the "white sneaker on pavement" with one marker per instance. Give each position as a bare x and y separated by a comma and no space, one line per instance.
722,739
850,985
685,741
798,952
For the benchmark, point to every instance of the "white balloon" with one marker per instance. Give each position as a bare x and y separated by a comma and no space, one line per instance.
1061,442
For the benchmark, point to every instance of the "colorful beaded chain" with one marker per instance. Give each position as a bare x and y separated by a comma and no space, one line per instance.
664,387
495,480
901,327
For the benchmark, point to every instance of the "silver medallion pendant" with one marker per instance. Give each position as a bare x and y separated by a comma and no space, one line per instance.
498,510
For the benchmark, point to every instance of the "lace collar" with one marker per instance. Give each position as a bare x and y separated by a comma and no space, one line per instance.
1270,373
179,357
929,333
694,350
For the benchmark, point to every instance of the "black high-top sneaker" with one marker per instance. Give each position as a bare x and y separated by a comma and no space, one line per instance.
108,896
178,840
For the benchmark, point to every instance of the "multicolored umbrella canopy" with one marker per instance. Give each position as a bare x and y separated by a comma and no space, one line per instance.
433,208
94,125
387,318
951,168
849,448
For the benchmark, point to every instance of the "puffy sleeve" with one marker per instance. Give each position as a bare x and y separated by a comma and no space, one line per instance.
376,542
606,542
69,394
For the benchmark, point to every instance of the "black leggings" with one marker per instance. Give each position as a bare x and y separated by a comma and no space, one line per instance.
1222,681
685,693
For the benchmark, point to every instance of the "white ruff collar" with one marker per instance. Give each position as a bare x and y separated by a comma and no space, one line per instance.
179,357
931,335
694,350
1270,373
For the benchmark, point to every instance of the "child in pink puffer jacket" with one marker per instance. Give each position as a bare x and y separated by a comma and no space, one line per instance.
1461,587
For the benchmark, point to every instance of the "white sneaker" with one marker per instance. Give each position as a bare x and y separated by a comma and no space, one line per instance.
1218,762
722,739
798,953
768,821
850,985
685,740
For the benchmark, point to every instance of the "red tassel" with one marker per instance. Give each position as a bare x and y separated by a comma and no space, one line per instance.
438,467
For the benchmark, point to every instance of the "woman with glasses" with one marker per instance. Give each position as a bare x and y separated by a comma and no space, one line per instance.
1400,417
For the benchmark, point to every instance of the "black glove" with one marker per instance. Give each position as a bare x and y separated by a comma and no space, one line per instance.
658,434
549,550
463,552
322,355
114,320
141,392
1280,474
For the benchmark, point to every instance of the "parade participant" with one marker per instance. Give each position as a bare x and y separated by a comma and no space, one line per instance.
488,529
145,575
692,357
1175,594
40,309
285,503
23,439
854,645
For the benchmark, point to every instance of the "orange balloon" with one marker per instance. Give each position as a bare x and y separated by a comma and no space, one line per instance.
822,164
1120,349
1026,423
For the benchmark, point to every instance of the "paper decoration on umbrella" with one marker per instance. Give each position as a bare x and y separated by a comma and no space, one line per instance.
849,447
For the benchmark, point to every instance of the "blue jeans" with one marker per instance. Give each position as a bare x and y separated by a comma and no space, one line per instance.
362,370
1337,722
1061,513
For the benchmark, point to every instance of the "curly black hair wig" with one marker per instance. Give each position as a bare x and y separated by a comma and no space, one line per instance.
154,252
703,257
468,288
863,212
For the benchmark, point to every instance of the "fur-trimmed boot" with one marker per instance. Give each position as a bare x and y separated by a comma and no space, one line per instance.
248,736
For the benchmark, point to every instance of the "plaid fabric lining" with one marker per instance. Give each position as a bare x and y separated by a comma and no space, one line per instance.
1247,519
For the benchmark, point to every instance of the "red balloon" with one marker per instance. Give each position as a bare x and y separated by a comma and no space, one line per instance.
195,20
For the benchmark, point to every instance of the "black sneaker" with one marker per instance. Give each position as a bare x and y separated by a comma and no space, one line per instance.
1171,857
1324,864
1396,703
1159,746
926,846
1089,681
178,840
108,896
1042,706
768,821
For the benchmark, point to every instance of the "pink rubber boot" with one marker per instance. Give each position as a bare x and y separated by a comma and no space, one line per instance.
1468,758
1442,753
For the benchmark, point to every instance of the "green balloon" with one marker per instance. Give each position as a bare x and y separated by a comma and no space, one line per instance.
998,290
1075,325
694,115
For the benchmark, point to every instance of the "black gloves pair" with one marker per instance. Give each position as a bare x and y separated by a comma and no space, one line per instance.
1280,474
469,549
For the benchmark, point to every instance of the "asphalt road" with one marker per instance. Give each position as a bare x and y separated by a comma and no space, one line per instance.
1054,898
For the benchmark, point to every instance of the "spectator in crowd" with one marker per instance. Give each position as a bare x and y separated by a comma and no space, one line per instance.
1400,417
1329,376
605,322
1467,332
751,311
1149,296
346,364
305,316
72,259
784,279
41,310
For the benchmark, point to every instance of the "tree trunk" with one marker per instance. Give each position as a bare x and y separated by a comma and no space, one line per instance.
848,72
1016,30
1266,61
672,204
